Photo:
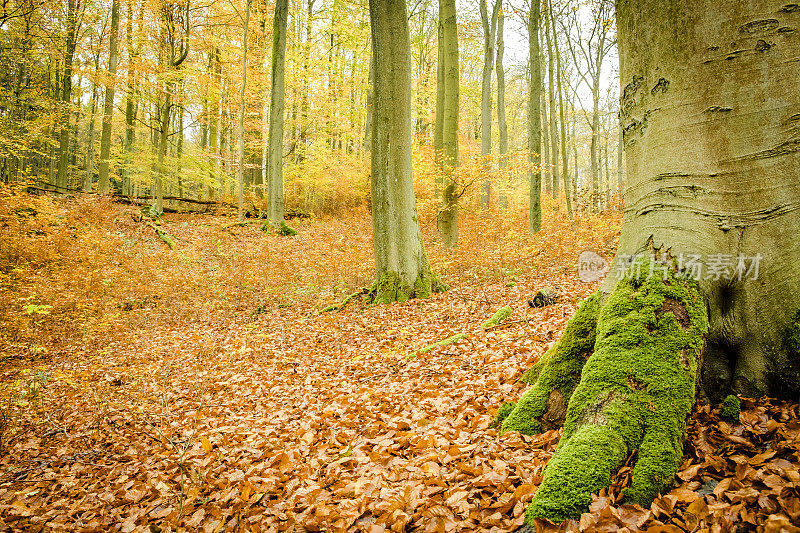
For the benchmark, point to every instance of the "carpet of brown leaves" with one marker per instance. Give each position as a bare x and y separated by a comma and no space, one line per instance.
201,389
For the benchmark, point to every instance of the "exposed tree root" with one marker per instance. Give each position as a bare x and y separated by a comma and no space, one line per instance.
340,305
635,393
391,288
499,316
554,377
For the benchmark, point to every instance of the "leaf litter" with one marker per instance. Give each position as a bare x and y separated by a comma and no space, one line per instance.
150,396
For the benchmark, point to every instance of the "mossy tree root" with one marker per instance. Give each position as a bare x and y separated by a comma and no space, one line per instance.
635,393
340,305
390,287
499,316
555,376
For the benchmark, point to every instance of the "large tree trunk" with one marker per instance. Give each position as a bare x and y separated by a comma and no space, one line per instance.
401,266
489,32
449,90
103,182
275,149
534,120
712,178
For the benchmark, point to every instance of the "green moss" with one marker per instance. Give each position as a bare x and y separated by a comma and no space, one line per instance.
499,316
730,408
390,288
451,340
556,374
635,393
285,230
502,414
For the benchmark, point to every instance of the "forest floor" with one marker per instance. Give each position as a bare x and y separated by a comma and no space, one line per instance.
202,388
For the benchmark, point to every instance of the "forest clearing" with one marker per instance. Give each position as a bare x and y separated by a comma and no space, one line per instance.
203,388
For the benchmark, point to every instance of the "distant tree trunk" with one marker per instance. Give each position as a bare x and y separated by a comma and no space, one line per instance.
70,44
594,146
215,173
562,121
448,45
175,20
606,163
87,180
131,106
547,163
502,125
275,150
534,120
103,182
552,98
401,266
489,32
242,109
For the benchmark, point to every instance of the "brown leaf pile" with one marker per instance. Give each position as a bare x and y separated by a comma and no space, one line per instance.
203,390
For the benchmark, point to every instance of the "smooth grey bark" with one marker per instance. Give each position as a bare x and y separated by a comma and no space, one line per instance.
242,108
489,35
401,265
547,164
619,157
448,93
108,106
551,93
712,167
534,120
276,107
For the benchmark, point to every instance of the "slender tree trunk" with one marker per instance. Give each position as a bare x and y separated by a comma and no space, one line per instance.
130,106
242,109
489,32
502,125
89,176
550,25
449,90
547,164
401,265
561,81
595,145
70,44
103,182
534,120
275,150
217,180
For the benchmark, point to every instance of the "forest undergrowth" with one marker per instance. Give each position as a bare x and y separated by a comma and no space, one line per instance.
202,387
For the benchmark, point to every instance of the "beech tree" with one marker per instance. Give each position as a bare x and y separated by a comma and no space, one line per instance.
401,266
103,182
276,106
710,210
534,119
446,130
489,23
